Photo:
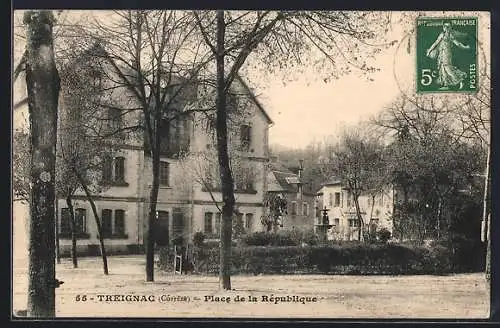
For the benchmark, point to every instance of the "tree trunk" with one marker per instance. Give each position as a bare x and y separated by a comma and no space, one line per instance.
42,81
438,223
360,217
486,216
153,198
97,222
73,231
56,231
227,183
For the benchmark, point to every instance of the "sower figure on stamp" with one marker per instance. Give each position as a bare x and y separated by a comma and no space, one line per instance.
441,50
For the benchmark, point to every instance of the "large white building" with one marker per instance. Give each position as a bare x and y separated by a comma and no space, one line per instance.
189,197
377,213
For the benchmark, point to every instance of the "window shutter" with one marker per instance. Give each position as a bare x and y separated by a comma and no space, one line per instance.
120,169
65,221
106,225
208,227
119,222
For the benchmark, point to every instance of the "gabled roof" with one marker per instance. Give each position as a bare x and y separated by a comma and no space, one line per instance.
254,98
333,181
284,183
97,47
282,179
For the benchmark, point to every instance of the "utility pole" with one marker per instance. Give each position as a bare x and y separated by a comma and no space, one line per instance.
42,82
486,222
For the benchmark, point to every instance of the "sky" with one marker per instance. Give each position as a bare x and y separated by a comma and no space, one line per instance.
305,113
306,110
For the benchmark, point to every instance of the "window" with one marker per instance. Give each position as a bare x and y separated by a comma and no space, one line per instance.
120,169
380,200
330,199
177,222
217,223
245,137
374,221
119,222
305,209
244,180
106,223
114,120
238,224
107,169
163,215
336,222
348,199
65,221
80,220
337,199
163,218
164,173
294,208
110,176
353,223
208,223
175,135
248,221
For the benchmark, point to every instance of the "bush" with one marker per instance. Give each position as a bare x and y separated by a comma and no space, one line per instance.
270,239
178,241
335,258
198,239
383,235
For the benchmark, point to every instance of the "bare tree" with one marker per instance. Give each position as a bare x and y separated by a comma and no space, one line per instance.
428,148
154,64
282,39
358,162
42,83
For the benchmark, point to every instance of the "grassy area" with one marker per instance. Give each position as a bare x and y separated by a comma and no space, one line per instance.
325,296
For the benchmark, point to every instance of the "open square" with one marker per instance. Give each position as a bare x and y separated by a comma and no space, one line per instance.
451,296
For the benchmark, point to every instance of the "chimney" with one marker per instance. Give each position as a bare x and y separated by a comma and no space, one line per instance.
299,186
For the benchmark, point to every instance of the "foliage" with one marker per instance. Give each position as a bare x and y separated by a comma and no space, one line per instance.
198,239
359,161
178,241
336,258
432,163
275,205
383,235
21,165
270,239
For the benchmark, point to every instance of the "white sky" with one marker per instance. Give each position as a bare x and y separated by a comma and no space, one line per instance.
304,110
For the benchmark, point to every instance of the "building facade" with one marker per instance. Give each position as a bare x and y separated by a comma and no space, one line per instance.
189,197
376,210
300,202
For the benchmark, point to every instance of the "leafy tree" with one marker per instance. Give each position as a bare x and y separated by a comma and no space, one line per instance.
430,163
275,204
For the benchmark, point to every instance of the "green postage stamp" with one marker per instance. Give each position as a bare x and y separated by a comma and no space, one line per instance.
447,54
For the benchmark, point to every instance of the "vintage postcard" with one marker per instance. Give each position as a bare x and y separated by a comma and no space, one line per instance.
251,164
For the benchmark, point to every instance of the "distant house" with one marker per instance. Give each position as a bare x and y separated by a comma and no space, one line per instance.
300,201
339,203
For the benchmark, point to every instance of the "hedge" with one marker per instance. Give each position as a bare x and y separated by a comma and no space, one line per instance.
348,258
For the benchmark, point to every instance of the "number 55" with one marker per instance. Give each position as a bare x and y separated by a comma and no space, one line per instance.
426,77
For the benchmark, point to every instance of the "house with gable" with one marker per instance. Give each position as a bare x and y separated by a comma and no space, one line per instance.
187,201
300,200
339,202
